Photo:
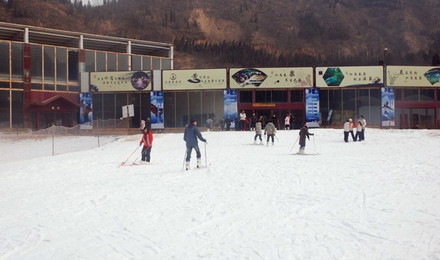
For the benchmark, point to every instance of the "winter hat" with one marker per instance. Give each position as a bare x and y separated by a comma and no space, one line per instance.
350,119
306,124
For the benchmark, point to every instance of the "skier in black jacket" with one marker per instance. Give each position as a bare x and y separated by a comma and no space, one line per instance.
303,133
190,137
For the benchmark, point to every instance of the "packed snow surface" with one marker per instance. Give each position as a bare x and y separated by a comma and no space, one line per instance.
377,199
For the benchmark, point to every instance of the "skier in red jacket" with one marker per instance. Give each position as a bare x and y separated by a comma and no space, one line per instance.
147,140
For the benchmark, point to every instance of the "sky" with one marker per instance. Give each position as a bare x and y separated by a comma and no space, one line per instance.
376,199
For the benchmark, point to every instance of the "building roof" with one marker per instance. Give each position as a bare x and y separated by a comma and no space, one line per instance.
15,32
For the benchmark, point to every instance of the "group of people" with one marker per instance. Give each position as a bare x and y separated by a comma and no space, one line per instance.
349,127
248,123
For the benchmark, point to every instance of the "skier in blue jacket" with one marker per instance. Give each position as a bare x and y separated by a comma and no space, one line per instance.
190,137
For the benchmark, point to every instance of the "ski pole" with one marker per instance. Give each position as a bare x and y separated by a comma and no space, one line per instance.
140,155
184,157
294,144
130,155
314,146
277,138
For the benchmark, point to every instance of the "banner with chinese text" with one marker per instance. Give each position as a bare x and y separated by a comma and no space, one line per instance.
410,76
194,79
120,81
349,76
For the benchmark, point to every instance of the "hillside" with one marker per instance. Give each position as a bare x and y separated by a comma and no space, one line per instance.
256,32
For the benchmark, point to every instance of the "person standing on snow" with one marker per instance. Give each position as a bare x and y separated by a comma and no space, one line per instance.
346,130
242,120
303,133
270,130
258,132
147,140
351,126
190,136
287,121
358,131
364,124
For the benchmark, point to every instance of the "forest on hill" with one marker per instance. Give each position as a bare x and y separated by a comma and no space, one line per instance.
255,33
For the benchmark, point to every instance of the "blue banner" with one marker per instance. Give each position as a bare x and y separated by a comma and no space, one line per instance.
312,107
230,105
387,111
157,113
86,114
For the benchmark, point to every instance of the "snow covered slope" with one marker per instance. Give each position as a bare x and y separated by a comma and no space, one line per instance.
377,199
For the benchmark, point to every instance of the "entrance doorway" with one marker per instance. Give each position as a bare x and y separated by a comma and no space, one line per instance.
418,118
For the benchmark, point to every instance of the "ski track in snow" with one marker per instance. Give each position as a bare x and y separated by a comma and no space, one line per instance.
376,199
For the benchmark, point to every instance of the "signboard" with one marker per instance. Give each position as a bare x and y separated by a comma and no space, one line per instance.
86,114
127,111
312,107
387,111
349,76
194,79
120,81
157,113
409,76
271,78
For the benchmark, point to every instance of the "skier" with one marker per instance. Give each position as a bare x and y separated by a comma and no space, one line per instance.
190,137
258,131
346,130
359,131
147,140
364,124
253,121
270,130
303,133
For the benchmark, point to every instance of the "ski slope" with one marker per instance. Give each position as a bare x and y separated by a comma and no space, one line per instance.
377,199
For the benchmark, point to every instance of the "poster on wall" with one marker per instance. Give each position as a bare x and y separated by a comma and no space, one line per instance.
312,107
194,79
349,76
271,78
230,105
387,111
86,111
157,113
120,81
410,76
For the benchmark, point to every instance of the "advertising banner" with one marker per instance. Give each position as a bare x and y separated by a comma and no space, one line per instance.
312,107
387,111
120,81
349,76
409,76
194,79
271,78
157,113
86,114
230,105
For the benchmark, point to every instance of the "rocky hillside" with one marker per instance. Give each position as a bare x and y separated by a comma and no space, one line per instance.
257,32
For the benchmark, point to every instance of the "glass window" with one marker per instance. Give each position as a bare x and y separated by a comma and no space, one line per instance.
4,84
49,64
17,109
349,105
62,65
100,61
279,96
90,61
108,107
169,104
74,88
398,94
4,108
17,61
297,96
136,63
324,106
4,57
17,85
122,62
121,100
111,61
245,97
61,88
166,64
73,65
49,87
262,96
208,107
97,106
182,114
36,63
411,94
195,106
427,94
373,118
219,104
134,98
146,63
145,106
156,64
